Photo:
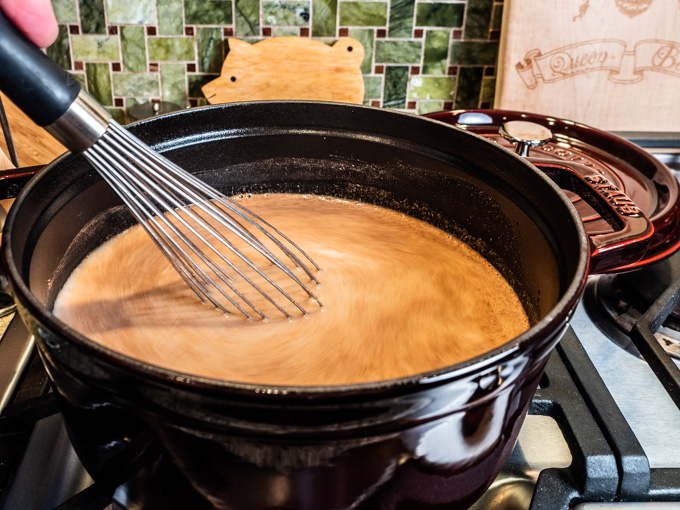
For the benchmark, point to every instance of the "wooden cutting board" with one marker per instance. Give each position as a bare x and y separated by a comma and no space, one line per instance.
611,64
290,68
33,144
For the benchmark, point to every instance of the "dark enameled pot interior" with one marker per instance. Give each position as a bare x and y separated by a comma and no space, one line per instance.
416,442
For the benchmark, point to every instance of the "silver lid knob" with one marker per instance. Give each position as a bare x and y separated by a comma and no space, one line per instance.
525,134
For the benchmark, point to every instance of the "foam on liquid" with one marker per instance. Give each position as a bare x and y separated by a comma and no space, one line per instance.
400,297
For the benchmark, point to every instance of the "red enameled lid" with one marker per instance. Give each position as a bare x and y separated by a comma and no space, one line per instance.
647,181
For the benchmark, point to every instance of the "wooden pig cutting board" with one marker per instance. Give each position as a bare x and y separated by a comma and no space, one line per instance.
611,64
34,145
290,68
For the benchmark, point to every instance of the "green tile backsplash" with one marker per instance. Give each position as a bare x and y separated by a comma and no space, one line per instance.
436,52
138,12
420,55
171,48
59,51
95,48
401,18
65,11
477,19
246,18
363,14
99,83
396,80
173,79
470,79
92,16
398,52
133,45
136,84
440,14
210,50
170,20
432,87
207,12
324,21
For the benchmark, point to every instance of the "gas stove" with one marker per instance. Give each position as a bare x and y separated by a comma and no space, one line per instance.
602,431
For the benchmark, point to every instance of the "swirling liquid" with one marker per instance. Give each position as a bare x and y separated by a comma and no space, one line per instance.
400,297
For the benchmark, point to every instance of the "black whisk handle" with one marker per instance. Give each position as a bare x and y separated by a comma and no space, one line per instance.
33,81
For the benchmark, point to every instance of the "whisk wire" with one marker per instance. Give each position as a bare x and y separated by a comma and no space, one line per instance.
198,219
147,214
184,181
156,191
154,215
231,206
191,273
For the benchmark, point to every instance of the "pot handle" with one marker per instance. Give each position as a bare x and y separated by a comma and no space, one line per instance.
632,229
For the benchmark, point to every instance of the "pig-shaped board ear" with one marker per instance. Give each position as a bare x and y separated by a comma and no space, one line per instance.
349,48
238,46
238,49
289,68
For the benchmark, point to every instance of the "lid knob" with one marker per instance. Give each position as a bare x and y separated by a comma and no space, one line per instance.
525,134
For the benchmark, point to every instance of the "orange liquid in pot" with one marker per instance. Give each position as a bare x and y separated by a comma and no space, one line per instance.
400,297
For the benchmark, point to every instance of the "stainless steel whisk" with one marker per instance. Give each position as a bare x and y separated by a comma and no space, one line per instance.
196,227
157,192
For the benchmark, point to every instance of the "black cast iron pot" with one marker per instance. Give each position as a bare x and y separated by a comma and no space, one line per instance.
433,440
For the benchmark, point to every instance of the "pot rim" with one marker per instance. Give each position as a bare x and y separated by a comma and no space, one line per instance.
559,314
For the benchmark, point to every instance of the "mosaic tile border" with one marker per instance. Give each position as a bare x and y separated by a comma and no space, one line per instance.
421,55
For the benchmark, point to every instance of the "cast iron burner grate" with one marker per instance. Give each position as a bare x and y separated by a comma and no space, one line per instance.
31,403
616,304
